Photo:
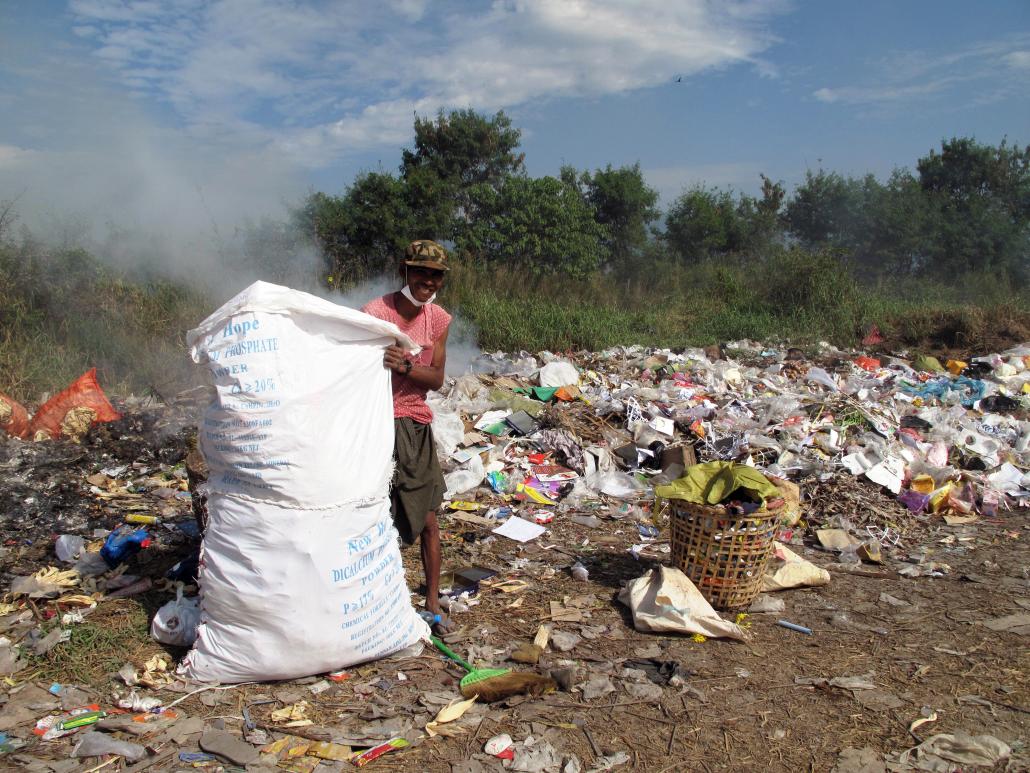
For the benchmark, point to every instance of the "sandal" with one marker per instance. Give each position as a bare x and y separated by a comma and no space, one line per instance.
440,624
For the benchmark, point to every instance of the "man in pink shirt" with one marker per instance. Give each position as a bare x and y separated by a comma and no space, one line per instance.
418,487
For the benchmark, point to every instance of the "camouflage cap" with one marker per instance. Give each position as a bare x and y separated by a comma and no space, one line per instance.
425,253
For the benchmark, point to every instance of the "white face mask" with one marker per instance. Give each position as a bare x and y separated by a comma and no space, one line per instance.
406,292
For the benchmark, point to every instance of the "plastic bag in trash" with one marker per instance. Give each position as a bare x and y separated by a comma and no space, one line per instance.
448,432
67,547
616,484
84,392
97,744
558,373
14,419
176,622
465,478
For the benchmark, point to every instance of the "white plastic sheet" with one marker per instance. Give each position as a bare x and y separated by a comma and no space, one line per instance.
448,432
559,373
465,478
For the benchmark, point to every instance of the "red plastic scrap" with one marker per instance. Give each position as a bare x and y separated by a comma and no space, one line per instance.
870,364
873,337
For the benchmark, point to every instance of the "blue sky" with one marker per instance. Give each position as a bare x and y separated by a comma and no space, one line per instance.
179,112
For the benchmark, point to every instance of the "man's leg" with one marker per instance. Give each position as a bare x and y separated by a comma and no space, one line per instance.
429,545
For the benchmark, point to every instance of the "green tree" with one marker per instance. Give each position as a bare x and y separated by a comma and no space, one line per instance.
828,209
902,227
981,197
453,154
760,217
704,222
625,204
362,232
540,226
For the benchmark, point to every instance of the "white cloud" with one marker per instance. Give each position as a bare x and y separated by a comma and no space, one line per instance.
826,95
1018,60
855,95
920,76
12,156
287,67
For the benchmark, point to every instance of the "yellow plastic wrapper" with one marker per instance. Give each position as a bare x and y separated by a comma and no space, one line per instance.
923,484
939,500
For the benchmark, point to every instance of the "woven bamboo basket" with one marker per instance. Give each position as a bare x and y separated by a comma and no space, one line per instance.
723,553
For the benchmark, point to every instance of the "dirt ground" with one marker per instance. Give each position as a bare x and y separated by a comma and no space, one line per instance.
924,642
926,647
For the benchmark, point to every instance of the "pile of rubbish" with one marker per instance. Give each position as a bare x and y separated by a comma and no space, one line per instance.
560,471
926,441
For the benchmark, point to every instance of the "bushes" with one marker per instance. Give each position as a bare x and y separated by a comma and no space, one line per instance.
62,312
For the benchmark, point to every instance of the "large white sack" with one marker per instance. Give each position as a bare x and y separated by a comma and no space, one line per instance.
303,414
300,571
287,593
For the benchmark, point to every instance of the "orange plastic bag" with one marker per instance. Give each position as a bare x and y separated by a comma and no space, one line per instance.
84,392
14,419
868,363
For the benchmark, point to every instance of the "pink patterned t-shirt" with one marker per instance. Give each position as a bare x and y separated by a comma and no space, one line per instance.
409,399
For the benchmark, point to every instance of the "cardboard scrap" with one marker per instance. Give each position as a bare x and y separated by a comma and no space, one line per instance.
449,713
1018,623
292,713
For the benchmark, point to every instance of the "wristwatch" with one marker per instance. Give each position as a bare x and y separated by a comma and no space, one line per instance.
407,366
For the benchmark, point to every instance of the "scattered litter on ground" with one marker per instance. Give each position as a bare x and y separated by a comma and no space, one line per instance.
896,529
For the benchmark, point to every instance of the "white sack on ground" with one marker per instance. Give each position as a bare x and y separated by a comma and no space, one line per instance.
666,600
300,565
289,593
789,570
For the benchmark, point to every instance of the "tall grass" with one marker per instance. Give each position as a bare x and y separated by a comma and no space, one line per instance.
789,295
62,312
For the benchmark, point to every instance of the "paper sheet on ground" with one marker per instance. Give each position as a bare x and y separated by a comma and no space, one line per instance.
519,529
